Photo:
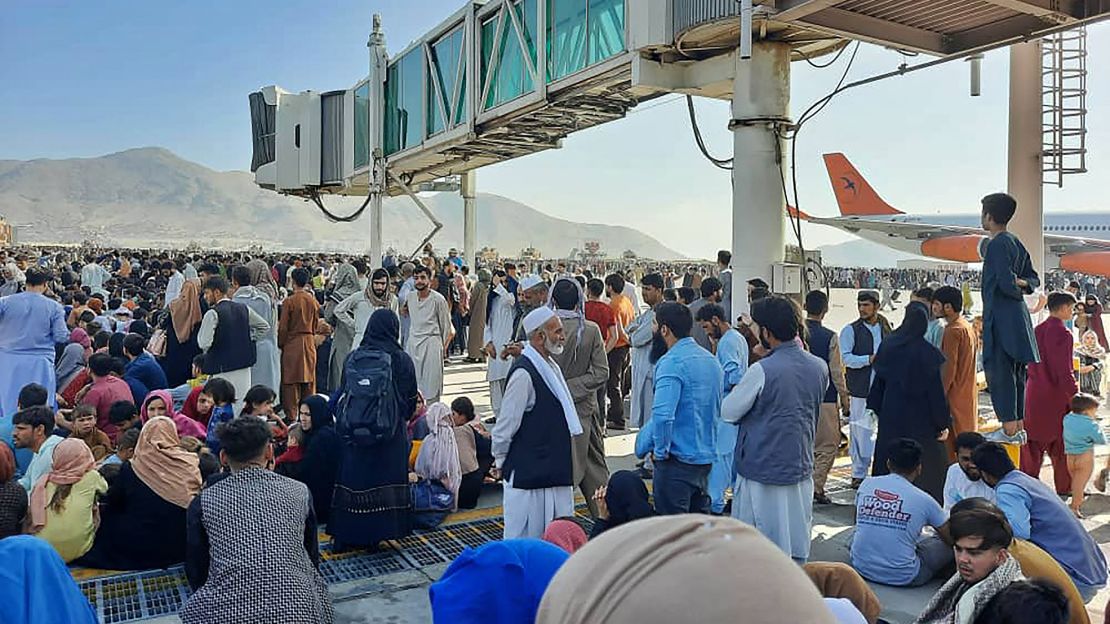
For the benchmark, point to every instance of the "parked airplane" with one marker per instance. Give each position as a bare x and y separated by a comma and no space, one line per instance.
1074,241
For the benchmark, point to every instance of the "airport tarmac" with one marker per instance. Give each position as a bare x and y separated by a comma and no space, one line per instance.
402,596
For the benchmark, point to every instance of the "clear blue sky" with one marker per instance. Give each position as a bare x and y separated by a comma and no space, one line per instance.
90,78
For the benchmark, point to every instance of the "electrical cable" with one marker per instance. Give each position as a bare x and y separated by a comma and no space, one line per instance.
809,60
721,163
314,196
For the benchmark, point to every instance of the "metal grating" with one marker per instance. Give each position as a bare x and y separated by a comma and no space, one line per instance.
141,595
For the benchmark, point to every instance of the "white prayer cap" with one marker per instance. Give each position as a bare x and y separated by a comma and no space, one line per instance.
536,319
530,281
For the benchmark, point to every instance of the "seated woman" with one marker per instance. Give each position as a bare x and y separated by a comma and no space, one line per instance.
438,473
36,586
13,498
320,461
143,516
63,502
475,453
623,500
250,532
159,404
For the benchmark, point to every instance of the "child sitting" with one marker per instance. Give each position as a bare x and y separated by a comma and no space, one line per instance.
475,453
181,393
1081,434
125,448
84,429
222,394
288,463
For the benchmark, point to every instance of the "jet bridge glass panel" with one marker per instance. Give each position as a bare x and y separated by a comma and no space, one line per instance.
448,73
581,33
362,126
404,102
512,75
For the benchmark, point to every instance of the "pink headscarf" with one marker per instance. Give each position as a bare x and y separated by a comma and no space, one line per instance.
81,337
185,426
72,461
566,534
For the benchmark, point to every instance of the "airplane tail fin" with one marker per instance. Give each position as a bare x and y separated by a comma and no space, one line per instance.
854,195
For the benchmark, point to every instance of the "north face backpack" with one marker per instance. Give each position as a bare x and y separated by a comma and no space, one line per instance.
366,412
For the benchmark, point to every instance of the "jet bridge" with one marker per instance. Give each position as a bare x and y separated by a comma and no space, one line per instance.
502,79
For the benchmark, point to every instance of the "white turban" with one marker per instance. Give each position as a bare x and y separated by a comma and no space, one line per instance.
536,319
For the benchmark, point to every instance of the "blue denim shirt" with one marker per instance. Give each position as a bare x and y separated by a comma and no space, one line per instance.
687,404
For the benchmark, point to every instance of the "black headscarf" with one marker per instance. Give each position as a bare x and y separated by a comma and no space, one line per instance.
383,332
905,356
321,414
115,345
320,465
627,498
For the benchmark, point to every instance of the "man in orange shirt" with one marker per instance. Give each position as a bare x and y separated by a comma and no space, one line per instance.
958,373
623,315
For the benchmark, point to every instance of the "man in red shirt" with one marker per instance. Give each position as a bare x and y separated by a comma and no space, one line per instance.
599,312
105,390
623,315
1048,392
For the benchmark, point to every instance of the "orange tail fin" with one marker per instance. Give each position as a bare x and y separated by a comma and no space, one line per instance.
854,195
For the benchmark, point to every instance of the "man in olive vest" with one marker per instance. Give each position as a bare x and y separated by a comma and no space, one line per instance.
859,342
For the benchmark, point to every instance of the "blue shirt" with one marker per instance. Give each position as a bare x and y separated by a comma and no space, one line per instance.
848,342
220,415
31,324
687,404
890,513
732,354
146,370
1081,434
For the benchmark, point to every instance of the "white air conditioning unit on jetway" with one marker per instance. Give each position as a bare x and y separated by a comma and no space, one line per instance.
303,141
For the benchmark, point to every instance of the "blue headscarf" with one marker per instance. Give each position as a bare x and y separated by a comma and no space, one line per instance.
498,583
36,586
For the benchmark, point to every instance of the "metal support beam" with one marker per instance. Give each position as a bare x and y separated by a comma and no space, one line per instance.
1024,164
469,191
761,100
377,182
1056,10
789,10
878,31
1001,29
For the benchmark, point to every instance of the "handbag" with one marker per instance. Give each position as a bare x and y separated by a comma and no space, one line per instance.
157,344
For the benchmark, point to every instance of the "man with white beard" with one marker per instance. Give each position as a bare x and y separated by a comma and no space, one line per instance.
500,309
430,331
532,440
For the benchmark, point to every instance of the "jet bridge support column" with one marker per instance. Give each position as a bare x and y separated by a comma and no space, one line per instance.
1025,164
760,109
470,219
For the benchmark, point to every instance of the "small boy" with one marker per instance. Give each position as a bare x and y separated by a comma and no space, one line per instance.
125,415
288,463
475,452
84,429
125,448
1081,434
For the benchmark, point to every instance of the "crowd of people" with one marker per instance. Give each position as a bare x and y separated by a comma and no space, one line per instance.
219,412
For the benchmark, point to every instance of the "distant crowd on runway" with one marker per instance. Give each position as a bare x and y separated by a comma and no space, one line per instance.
217,409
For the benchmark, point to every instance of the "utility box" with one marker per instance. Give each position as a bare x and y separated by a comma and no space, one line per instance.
786,279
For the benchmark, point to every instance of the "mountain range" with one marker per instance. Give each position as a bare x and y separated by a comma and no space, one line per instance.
150,197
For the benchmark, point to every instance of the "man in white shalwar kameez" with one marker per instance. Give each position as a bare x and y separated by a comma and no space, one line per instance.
430,330
532,440
777,404
639,337
498,333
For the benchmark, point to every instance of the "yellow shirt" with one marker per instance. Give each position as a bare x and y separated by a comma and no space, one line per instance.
71,532
1038,564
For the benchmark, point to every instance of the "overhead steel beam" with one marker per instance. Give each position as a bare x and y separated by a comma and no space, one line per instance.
882,32
997,31
790,10
1055,10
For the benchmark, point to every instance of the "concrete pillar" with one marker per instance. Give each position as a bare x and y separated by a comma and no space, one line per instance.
469,191
761,98
1024,164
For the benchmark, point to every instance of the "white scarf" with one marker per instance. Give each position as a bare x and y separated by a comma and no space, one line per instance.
553,377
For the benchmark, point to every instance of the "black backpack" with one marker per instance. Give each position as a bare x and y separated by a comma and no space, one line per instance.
366,412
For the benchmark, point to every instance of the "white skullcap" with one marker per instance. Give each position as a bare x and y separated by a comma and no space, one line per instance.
530,281
536,319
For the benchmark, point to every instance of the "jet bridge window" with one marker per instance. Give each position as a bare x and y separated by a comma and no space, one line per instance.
581,33
404,106
362,126
446,88
506,72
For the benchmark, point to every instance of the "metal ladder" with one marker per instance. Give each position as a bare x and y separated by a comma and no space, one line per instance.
1064,105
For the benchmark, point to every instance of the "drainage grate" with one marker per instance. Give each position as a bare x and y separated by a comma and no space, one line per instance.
419,551
356,565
